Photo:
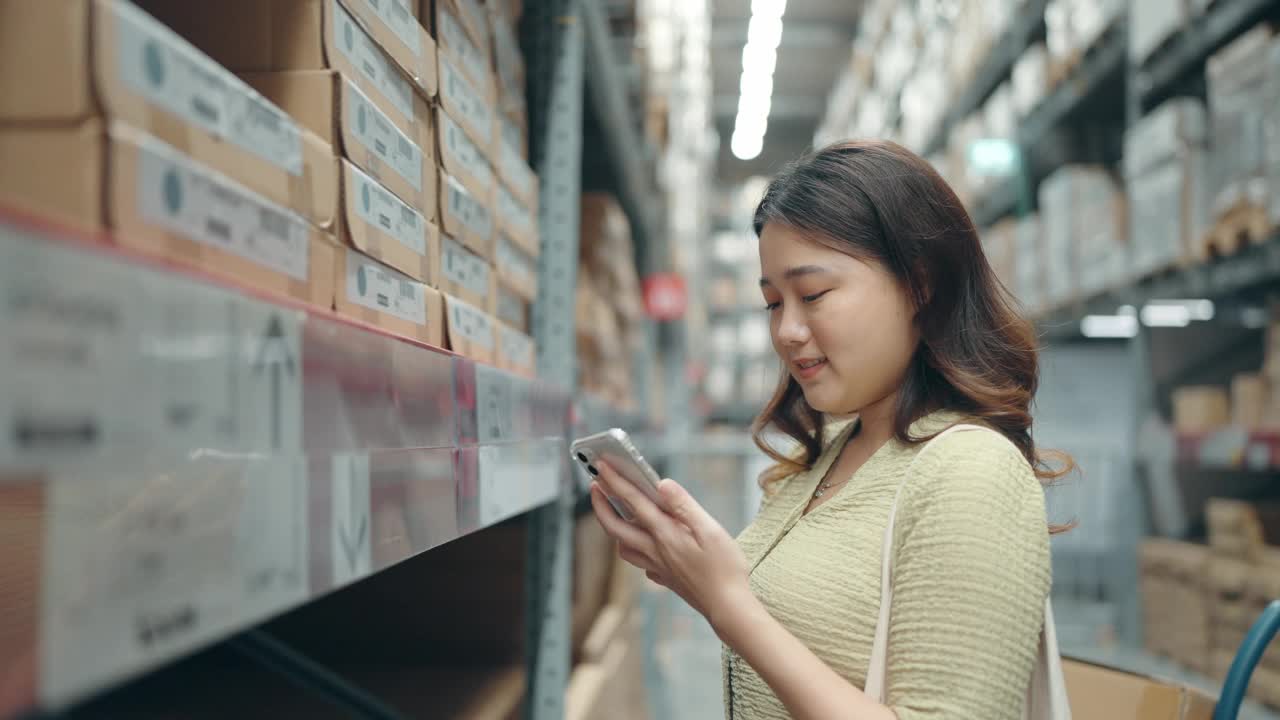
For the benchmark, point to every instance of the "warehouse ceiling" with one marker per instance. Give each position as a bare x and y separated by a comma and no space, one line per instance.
816,40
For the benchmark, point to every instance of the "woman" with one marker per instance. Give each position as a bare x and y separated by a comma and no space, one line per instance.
883,311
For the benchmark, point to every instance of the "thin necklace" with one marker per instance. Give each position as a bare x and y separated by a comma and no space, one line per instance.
826,485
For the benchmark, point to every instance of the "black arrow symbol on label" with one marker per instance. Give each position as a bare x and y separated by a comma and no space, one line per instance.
274,355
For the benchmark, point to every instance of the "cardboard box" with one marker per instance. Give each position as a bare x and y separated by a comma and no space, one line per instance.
513,309
1200,408
468,105
517,352
164,204
1152,22
1250,400
1096,691
457,42
387,298
335,108
470,330
467,276
510,68
257,36
470,12
68,61
464,160
1237,81
594,554
516,268
513,167
516,221
382,226
1083,227
465,217
1030,264
612,689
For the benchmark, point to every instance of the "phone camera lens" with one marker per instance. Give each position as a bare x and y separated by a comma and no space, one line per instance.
582,457
592,469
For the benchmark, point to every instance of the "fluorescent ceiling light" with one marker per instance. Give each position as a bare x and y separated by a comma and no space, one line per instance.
758,60
746,146
1109,326
1165,316
768,8
1198,309
764,30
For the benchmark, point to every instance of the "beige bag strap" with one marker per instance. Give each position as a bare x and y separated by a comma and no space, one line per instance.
1046,694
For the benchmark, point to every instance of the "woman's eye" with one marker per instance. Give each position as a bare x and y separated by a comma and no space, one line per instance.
773,305
815,296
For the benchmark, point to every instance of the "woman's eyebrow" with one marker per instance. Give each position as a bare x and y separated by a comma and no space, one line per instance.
795,272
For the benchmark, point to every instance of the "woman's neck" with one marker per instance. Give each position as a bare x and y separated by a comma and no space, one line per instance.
877,421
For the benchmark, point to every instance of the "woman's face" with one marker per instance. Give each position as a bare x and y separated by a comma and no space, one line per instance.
844,328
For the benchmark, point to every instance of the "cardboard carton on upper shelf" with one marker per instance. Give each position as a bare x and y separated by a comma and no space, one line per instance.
390,57
515,221
1152,22
513,166
512,309
471,107
469,51
517,352
1029,263
1200,408
160,202
66,61
463,159
1251,400
465,217
471,332
467,276
470,13
517,268
335,108
1271,136
1237,81
384,297
510,68
382,226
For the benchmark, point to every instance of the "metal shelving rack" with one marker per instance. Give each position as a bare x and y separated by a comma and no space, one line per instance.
220,457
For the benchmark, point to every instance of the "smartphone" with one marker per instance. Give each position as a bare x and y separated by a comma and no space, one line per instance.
614,447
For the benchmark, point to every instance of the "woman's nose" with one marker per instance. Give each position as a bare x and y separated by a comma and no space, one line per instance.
792,330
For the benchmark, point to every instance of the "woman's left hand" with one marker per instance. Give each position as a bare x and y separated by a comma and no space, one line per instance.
678,545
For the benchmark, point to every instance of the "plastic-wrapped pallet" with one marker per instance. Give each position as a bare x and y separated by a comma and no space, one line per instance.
1238,96
1030,79
1151,23
1084,232
1271,134
1164,166
999,244
1029,263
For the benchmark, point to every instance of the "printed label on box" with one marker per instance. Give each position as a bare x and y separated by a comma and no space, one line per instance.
210,209
350,520
464,151
517,347
471,323
167,71
370,61
457,41
465,268
511,307
512,212
380,288
376,132
397,16
469,210
470,105
381,208
515,169
513,260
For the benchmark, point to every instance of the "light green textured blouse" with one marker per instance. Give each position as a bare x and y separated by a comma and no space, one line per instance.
970,575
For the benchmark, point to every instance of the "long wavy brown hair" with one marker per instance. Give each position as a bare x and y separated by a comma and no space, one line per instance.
879,202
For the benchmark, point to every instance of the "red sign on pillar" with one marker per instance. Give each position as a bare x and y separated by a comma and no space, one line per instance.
665,296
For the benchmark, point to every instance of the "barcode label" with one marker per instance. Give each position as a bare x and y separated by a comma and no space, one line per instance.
470,323
203,206
375,204
511,307
512,212
516,171
465,268
513,260
517,347
165,69
464,152
471,108
395,15
368,58
385,290
456,41
376,132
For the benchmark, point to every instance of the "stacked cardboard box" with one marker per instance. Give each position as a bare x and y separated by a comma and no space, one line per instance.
1238,98
1164,167
610,310
1200,408
1000,245
1271,136
1084,230
1152,23
1176,600
113,122
1029,264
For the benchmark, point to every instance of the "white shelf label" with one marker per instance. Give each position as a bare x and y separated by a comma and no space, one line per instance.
458,42
370,61
380,288
465,152
474,110
376,132
471,323
517,476
208,208
465,268
398,17
513,213
168,71
146,558
384,210
464,206
350,548
495,405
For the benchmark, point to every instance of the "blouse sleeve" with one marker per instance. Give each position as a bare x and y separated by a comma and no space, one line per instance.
970,576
